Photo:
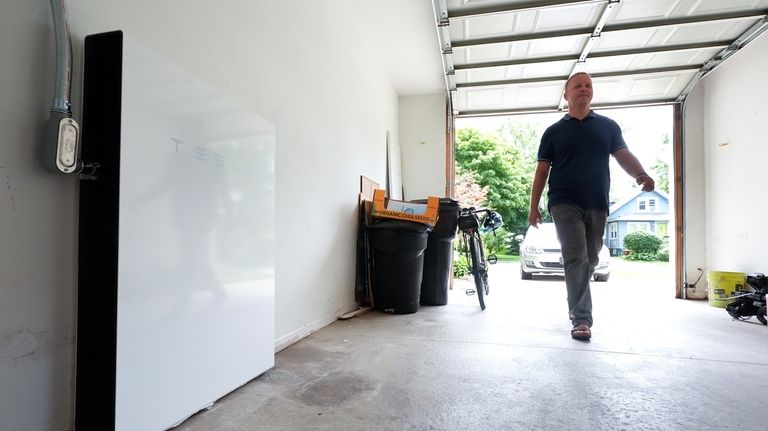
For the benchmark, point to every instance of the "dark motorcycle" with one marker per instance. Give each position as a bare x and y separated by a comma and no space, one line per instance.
750,304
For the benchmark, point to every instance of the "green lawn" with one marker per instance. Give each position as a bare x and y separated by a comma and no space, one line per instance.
507,257
639,265
653,262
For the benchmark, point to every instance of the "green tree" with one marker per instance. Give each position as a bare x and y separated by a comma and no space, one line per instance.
501,169
661,167
523,136
468,192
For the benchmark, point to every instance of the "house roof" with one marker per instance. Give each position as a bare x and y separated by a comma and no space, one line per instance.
617,206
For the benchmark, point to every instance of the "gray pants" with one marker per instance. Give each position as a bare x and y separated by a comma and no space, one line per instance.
581,237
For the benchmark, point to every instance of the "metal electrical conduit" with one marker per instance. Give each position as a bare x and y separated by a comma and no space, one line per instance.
61,149
63,59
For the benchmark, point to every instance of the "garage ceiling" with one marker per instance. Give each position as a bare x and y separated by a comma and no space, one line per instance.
506,56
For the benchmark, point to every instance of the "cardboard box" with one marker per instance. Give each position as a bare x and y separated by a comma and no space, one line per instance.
402,210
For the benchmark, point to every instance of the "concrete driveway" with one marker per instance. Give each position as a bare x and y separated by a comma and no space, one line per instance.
654,363
634,312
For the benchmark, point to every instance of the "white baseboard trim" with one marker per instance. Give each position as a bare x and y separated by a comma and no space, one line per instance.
308,329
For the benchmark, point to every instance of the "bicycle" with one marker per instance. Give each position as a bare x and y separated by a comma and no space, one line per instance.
470,228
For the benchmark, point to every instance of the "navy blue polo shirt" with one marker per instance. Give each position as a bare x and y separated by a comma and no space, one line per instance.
579,152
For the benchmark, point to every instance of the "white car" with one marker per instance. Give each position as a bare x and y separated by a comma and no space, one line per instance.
540,254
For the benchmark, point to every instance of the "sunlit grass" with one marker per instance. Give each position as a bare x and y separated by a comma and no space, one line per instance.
507,257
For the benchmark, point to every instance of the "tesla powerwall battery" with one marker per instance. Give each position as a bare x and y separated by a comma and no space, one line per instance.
176,267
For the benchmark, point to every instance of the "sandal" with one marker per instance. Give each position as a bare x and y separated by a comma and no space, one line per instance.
581,332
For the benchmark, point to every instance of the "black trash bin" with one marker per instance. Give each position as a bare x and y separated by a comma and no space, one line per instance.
439,254
398,261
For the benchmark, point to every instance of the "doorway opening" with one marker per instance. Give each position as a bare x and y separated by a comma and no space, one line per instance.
495,158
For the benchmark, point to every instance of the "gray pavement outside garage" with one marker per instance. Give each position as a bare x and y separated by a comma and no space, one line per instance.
654,363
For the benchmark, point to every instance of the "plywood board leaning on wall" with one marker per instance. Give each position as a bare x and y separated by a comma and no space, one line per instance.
363,272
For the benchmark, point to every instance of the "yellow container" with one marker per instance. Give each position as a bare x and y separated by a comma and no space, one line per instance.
722,285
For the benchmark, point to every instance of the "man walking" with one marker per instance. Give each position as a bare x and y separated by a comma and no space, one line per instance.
574,154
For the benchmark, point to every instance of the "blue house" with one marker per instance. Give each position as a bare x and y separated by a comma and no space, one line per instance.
646,211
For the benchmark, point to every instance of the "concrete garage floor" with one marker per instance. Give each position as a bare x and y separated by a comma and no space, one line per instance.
654,363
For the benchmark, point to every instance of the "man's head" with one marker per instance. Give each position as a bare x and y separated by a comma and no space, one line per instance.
578,91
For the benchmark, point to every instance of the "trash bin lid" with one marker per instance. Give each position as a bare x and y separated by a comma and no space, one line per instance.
400,225
447,218
445,203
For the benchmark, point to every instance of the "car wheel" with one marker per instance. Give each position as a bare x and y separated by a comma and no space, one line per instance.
525,275
599,277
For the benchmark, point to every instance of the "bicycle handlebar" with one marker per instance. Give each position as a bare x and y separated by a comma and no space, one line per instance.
473,210
491,221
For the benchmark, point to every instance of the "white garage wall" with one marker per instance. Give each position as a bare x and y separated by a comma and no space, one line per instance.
302,65
422,142
725,165
37,234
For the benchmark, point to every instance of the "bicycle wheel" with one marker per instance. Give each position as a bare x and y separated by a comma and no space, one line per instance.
483,265
478,271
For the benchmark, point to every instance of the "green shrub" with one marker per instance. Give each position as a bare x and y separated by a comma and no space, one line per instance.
497,243
642,243
663,256
459,245
460,266
644,256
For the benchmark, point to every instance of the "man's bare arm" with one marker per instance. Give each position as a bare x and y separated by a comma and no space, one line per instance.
634,168
539,181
